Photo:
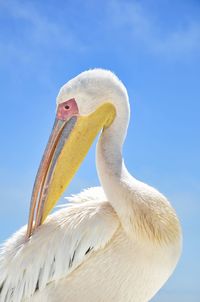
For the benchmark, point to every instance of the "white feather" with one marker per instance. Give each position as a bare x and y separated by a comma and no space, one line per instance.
65,241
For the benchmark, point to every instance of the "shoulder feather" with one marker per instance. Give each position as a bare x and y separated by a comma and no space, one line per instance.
57,248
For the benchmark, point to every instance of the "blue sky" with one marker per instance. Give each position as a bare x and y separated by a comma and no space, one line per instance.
154,47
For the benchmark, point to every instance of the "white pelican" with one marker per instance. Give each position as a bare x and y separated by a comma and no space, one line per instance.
118,242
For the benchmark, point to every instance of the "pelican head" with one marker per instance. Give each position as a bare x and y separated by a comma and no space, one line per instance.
94,100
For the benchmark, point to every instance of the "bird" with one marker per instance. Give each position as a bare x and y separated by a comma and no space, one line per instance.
120,241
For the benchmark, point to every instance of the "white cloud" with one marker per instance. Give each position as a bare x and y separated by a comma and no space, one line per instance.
130,19
37,29
146,27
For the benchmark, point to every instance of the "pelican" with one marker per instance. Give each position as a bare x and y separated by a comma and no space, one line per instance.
118,242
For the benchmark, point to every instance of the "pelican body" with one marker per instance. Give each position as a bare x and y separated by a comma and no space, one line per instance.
118,242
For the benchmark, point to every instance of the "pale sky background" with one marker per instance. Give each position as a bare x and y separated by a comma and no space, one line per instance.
154,47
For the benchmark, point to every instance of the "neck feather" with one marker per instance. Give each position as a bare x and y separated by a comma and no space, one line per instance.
142,210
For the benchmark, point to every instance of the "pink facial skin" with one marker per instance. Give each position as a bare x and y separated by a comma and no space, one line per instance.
67,109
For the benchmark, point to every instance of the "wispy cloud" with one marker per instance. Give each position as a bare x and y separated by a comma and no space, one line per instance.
145,27
34,30
131,20
42,29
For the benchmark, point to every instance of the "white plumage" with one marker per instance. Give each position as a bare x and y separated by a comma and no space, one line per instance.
119,242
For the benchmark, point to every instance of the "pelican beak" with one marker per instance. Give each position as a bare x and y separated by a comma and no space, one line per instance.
71,137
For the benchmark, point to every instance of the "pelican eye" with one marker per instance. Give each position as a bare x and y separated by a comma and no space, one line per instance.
67,107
